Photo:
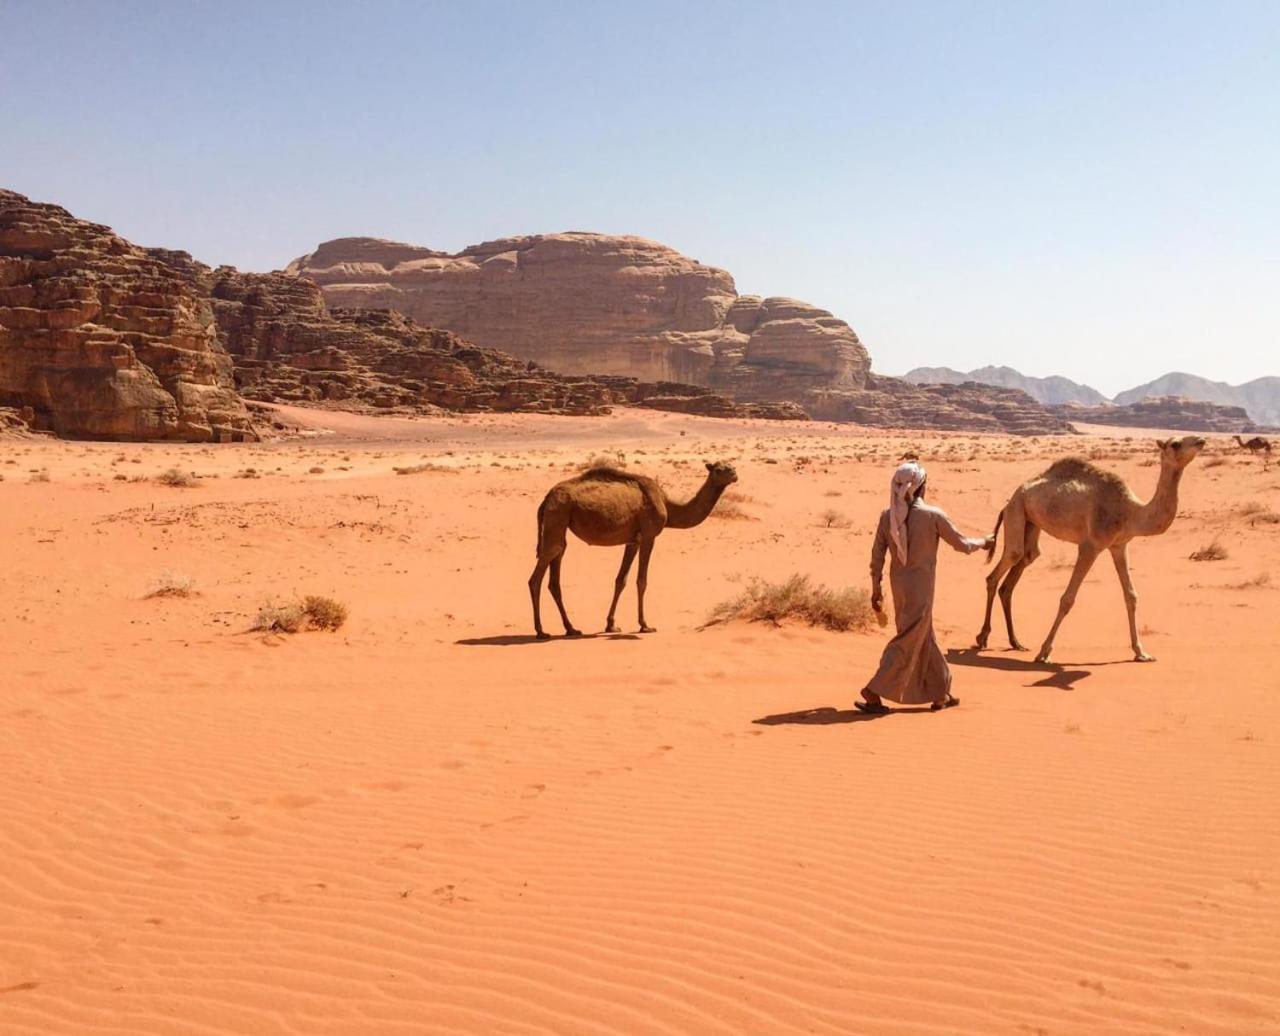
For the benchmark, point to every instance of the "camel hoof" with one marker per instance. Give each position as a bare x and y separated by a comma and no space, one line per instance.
612,628
648,629
1015,646
1043,657
1142,656
981,643
541,635
571,632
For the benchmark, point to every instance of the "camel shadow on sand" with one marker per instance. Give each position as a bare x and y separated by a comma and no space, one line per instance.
1063,677
516,639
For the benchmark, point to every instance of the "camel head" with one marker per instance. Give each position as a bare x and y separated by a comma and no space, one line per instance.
1178,453
721,474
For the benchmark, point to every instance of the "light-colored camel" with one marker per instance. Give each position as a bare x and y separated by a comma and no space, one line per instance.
609,508
1079,503
1255,445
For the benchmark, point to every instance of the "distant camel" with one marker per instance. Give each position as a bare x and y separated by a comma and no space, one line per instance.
1255,445
609,508
1080,503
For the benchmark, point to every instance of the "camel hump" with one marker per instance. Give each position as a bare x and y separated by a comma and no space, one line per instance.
1077,469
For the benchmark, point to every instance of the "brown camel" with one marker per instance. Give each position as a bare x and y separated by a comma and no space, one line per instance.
1080,503
1255,445
609,508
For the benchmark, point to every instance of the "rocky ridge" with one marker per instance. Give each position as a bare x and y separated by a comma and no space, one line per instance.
102,339
1171,412
591,303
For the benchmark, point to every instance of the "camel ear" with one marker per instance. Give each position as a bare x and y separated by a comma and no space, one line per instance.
1162,443
709,465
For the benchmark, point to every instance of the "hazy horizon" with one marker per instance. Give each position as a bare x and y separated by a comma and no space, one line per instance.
955,183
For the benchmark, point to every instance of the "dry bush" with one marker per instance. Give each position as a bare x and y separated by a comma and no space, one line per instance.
834,492
177,478
324,613
833,519
1215,551
171,584
1266,516
315,471
1259,582
731,510
40,476
418,469
1251,507
616,459
797,598
279,618
313,612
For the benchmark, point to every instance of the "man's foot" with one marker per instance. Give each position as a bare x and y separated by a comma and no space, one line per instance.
946,703
872,708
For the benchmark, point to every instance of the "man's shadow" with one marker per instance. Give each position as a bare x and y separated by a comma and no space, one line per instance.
829,714
515,639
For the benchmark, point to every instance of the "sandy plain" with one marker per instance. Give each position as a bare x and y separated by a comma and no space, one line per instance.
427,822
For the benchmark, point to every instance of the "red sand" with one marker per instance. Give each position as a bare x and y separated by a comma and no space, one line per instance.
428,823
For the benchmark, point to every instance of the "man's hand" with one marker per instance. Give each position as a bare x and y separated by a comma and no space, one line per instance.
877,600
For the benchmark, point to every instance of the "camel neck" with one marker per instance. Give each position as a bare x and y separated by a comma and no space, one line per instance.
694,511
1159,512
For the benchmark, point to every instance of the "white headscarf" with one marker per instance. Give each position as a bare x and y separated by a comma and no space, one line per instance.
906,480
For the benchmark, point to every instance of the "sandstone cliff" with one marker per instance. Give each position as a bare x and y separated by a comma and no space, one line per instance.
101,339
1170,412
590,303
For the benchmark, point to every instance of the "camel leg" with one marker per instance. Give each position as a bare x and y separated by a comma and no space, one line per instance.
535,592
1014,526
628,556
569,631
552,540
1120,555
1032,542
642,580
1084,561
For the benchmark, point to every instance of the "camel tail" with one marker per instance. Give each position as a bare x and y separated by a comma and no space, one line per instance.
542,507
991,550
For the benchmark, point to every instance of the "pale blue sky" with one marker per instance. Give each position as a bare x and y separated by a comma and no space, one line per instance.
1087,189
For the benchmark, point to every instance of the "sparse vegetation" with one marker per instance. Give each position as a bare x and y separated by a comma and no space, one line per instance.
313,612
171,584
833,519
1215,551
616,459
324,613
418,469
315,471
177,478
1259,582
798,599
731,510
40,476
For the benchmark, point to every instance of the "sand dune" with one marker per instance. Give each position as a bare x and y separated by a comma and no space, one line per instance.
427,822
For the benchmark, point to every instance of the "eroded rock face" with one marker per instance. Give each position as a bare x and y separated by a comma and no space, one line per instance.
102,339
584,303
1172,412
969,407
288,346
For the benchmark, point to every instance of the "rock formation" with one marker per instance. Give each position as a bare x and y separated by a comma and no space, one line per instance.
101,339
1260,397
1051,391
590,303
1173,413
970,407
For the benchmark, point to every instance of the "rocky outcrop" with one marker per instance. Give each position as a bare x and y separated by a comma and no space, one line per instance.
1174,413
969,407
1260,397
1050,391
101,339
289,346
584,303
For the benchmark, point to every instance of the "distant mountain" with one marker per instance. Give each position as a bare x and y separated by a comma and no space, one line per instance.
1261,397
1050,391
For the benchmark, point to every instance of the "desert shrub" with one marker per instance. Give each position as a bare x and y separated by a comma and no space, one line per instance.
279,618
1215,551
312,612
40,476
171,584
799,599
731,511
315,471
1266,516
616,459
324,613
418,469
1259,582
833,519
177,478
